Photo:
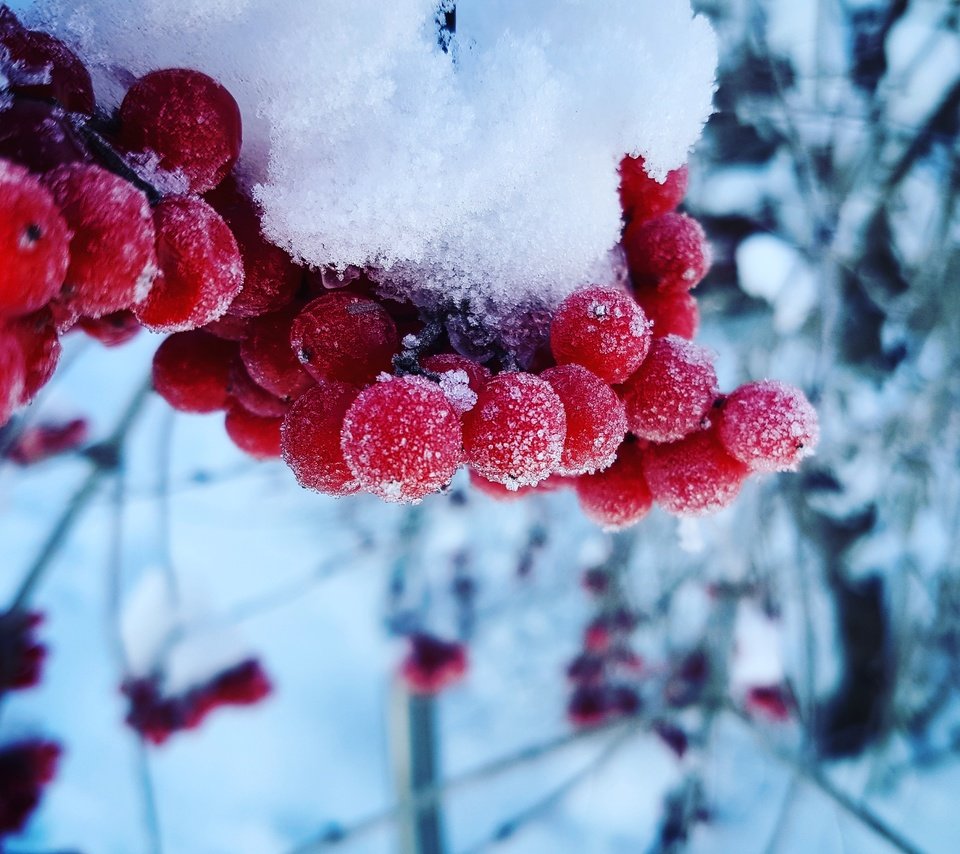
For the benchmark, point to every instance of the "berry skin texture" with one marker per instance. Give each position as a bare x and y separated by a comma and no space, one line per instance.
310,439
191,371
36,335
433,664
402,439
693,476
617,497
186,118
596,420
670,313
642,198
668,397
345,337
201,270
515,433
602,329
34,242
253,434
246,393
12,376
112,257
269,358
669,252
769,426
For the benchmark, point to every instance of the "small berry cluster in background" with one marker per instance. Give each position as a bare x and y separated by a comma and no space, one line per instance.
432,664
112,223
26,766
157,717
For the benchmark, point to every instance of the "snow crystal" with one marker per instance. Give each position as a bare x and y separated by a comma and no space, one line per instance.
488,172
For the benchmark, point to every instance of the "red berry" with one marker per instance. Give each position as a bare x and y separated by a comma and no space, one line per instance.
433,664
271,279
38,135
770,701
188,120
674,313
269,357
402,439
673,390
596,421
12,376
693,476
618,496
41,66
310,438
34,242
40,442
113,329
515,433
769,426
229,328
201,270
36,334
255,435
21,654
112,258
669,252
460,378
602,329
345,337
589,706
642,198
498,491
252,397
191,371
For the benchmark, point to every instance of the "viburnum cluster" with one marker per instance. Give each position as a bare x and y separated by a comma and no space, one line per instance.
138,219
157,716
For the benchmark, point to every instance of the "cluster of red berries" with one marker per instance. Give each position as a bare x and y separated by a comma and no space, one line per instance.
26,769
432,664
357,392
157,717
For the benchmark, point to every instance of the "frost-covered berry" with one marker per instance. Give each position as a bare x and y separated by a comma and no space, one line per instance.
12,376
433,664
768,425
669,252
112,329
671,313
604,330
269,357
34,241
36,335
515,433
596,420
402,439
112,257
345,337
461,378
188,120
672,391
252,397
191,371
201,270
255,435
271,279
618,496
41,66
693,476
310,438
38,135
642,198
498,491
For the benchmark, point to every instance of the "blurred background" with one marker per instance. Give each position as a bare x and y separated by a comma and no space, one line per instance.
785,673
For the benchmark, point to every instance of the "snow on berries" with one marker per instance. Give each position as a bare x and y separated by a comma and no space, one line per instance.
642,198
402,439
186,119
670,394
345,337
112,258
34,242
604,330
515,433
768,426
310,438
201,270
